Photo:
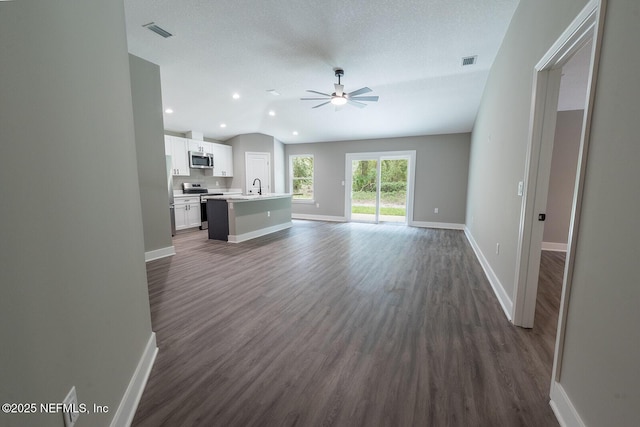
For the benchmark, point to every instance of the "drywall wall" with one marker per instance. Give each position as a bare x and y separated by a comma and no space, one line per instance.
74,309
562,177
600,373
252,142
152,170
279,167
441,174
500,134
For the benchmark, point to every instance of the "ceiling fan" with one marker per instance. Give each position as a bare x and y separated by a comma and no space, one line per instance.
339,97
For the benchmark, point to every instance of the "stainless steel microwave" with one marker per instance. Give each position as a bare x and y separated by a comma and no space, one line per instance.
199,160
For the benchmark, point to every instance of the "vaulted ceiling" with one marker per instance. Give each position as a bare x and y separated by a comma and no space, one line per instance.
409,52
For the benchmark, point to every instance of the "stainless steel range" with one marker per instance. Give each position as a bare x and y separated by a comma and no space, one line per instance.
196,188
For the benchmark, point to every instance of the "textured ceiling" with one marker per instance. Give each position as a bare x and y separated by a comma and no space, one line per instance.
408,52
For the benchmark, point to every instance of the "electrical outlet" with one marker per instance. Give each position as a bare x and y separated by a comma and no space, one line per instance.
520,188
436,210
317,205
343,183
70,403
497,248
217,184
268,213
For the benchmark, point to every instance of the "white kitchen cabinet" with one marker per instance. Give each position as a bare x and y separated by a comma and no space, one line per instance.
222,160
187,212
177,148
200,146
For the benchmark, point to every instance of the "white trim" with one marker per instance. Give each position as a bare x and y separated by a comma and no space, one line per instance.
498,289
313,179
329,218
159,253
233,238
129,403
543,113
445,225
409,155
555,247
563,408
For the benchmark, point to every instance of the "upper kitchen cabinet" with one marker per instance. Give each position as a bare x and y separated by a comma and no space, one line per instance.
200,146
177,148
222,160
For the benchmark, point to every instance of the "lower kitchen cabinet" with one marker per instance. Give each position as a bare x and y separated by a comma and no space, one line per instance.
187,213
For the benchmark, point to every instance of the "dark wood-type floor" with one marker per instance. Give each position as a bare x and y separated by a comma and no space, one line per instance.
330,324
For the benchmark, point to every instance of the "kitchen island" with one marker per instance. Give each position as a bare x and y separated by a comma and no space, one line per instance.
236,218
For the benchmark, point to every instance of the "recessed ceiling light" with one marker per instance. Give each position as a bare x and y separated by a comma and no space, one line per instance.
272,113
223,125
236,96
295,133
168,111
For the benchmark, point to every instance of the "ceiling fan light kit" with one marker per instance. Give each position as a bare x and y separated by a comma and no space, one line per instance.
340,98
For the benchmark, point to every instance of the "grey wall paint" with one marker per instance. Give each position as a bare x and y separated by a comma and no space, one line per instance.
600,368
441,174
74,308
252,142
279,167
563,176
499,137
199,176
152,170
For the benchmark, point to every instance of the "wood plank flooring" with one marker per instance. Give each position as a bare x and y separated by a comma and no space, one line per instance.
334,324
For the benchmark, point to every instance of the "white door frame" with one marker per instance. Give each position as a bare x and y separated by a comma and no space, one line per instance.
266,186
587,26
381,155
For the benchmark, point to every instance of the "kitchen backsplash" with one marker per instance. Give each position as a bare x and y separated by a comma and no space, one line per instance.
198,176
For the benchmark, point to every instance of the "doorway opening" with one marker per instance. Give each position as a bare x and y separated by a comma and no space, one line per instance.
379,187
585,28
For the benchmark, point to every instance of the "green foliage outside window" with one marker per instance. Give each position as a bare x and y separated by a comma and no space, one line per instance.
302,177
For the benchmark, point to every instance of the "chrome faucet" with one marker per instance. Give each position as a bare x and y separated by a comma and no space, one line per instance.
259,185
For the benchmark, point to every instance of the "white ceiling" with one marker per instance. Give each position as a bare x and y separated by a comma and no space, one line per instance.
408,52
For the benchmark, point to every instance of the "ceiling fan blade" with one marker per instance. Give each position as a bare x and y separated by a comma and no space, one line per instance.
357,104
365,98
320,105
313,99
339,89
359,91
319,93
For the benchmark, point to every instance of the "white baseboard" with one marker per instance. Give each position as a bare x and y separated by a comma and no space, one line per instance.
445,225
159,253
556,247
233,238
319,217
563,408
129,403
498,289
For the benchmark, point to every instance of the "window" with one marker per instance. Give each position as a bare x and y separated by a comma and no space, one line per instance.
301,170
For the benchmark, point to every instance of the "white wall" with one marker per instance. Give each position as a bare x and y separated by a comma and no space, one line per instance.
74,308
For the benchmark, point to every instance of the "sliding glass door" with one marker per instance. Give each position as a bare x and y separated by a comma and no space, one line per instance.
379,187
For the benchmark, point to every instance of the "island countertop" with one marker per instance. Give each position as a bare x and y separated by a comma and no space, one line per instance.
236,218
248,197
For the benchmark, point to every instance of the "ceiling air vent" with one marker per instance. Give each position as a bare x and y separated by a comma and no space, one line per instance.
469,60
160,31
